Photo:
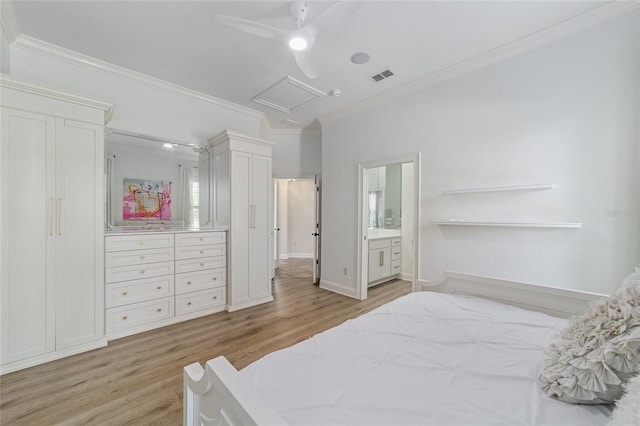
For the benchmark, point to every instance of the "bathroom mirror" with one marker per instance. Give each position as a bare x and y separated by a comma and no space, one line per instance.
385,196
152,182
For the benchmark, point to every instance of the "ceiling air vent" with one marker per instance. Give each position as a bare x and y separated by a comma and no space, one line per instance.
383,75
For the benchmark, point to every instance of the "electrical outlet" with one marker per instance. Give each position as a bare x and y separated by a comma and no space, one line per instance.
345,271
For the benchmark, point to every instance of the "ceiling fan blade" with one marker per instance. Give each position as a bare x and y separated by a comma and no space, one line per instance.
303,59
251,27
335,16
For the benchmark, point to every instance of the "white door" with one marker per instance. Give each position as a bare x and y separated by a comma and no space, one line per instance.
316,231
379,263
260,250
239,251
276,226
27,167
79,152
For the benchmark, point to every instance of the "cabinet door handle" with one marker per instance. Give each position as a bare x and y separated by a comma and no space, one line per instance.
50,216
381,258
59,216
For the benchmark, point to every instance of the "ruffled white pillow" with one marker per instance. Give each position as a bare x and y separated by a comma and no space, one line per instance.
590,360
627,411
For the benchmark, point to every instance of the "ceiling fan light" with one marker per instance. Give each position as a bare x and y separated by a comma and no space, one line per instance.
298,43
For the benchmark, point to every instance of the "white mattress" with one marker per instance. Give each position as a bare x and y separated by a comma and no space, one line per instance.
423,359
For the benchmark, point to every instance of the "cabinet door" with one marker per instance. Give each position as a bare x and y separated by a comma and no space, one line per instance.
379,264
27,235
260,277
79,218
240,224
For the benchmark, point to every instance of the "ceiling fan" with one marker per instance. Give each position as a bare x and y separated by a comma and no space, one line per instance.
301,39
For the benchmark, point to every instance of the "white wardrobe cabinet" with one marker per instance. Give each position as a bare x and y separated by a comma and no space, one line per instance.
242,202
51,219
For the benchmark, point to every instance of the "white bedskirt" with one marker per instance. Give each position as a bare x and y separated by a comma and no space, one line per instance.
423,359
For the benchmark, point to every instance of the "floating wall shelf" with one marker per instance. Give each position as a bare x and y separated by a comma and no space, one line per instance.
460,222
502,188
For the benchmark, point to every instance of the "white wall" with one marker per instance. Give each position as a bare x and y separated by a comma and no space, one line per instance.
283,236
139,107
300,217
565,113
298,154
5,56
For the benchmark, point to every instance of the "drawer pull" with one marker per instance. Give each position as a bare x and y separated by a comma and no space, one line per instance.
124,293
188,303
159,309
215,278
201,239
202,264
215,297
142,242
142,271
201,251
141,257
159,287
188,282
124,318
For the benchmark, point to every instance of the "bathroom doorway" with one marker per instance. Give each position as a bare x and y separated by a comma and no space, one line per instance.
388,222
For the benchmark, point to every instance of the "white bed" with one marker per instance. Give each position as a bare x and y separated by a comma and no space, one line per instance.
426,358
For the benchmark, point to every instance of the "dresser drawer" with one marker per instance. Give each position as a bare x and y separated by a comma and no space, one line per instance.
395,253
199,300
132,272
378,244
191,252
137,242
192,265
199,238
195,281
395,242
128,292
138,314
395,267
137,257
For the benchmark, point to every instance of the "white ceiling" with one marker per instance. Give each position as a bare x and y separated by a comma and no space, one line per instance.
181,42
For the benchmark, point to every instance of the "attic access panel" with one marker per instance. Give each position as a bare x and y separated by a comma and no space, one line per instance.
288,95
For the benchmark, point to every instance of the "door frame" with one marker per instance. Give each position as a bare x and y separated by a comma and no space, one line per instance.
363,211
317,178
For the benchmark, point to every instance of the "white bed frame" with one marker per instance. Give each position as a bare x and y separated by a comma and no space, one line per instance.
218,395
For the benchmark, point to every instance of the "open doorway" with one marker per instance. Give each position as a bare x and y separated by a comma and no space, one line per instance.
296,224
388,222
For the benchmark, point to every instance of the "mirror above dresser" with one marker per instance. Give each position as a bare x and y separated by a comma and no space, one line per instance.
154,183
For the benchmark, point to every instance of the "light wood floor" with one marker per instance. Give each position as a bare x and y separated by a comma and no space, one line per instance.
138,379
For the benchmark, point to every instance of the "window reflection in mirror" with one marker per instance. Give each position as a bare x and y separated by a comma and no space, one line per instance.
137,166
385,197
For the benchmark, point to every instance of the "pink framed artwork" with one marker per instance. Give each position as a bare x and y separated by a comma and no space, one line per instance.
146,200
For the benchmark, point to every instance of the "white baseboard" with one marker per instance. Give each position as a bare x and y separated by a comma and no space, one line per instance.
284,256
338,288
300,256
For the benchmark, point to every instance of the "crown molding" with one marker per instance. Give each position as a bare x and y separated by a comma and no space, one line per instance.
541,38
93,64
12,83
9,21
230,134
305,131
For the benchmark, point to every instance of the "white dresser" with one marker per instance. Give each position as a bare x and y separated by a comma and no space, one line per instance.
153,280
